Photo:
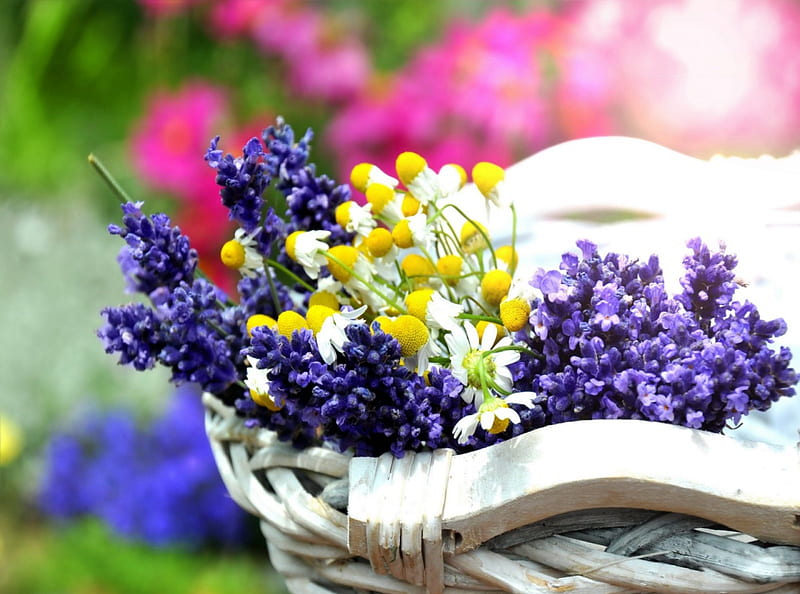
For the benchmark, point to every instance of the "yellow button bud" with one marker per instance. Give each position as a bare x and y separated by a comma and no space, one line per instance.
411,333
316,316
417,267
379,195
410,205
401,234
324,298
449,267
379,242
409,165
495,285
259,320
508,255
342,213
486,176
482,325
291,244
417,302
289,321
232,254
515,313
473,237
346,257
359,176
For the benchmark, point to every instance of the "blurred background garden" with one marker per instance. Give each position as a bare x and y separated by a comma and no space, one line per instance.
107,482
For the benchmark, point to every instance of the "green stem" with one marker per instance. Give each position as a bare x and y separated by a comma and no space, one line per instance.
480,318
366,283
108,178
289,273
272,288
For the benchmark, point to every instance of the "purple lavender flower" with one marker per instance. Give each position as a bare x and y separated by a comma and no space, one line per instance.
243,180
286,157
619,347
133,331
156,254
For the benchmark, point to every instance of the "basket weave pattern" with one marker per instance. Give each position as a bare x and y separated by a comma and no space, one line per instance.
398,539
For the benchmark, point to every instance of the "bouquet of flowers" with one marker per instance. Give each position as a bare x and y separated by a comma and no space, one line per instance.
379,317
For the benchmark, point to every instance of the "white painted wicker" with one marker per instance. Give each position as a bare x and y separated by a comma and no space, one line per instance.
589,506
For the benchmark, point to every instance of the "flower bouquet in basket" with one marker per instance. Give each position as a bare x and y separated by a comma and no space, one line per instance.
392,399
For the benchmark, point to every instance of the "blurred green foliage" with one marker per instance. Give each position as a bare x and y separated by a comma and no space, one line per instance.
85,557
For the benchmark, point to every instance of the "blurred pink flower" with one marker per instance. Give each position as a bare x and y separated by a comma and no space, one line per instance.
167,146
324,59
479,94
232,18
169,141
700,76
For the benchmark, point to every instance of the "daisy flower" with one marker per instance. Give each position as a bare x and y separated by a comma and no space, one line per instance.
307,249
494,415
240,253
475,362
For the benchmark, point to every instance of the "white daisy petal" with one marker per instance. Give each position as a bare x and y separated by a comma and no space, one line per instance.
465,428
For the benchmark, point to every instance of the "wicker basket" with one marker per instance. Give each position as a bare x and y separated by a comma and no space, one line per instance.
589,506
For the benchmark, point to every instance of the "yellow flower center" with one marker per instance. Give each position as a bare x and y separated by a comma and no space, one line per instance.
346,257
473,237
472,364
316,316
259,320
342,213
359,176
495,285
508,255
486,176
489,405
409,165
410,332
417,267
410,205
482,325
289,321
401,234
323,298
449,267
291,244
379,242
417,302
379,195
515,313
264,400
232,254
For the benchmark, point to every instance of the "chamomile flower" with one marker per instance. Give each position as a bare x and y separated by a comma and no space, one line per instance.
490,179
257,382
307,249
475,360
364,175
451,179
331,336
240,253
355,218
433,309
494,415
385,201
421,181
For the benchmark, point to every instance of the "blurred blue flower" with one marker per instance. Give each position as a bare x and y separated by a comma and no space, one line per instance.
157,484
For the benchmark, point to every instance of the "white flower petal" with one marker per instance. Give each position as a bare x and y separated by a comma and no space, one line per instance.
465,428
